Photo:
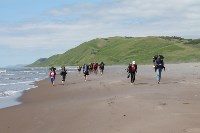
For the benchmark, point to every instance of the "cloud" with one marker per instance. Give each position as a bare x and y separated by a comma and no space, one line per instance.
73,23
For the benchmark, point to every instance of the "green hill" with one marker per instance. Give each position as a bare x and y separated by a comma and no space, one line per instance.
122,50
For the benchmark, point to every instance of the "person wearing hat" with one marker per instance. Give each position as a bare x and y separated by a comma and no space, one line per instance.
133,71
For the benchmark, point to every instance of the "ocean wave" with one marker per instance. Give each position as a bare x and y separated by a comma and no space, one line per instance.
33,72
29,82
21,82
31,87
7,78
8,74
13,78
26,82
42,73
2,71
3,84
7,93
17,78
37,79
6,84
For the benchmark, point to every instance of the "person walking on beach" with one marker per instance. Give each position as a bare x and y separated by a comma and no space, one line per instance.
63,74
85,71
128,70
52,75
79,69
95,67
91,67
132,70
159,65
101,67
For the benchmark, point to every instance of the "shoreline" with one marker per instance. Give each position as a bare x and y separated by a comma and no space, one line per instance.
15,81
14,100
10,101
110,104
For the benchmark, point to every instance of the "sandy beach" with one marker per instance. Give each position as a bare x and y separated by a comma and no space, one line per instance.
110,104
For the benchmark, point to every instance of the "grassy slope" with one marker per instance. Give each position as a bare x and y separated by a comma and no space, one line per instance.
122,50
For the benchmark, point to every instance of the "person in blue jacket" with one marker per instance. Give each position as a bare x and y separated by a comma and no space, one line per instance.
85,71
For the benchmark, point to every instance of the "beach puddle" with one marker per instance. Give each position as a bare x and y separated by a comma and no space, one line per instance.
186,103
159,108
192,130
127,97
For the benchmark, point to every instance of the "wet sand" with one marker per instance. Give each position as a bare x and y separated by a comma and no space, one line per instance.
110,104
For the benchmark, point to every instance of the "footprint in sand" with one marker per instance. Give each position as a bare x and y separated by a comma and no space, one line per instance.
186,103
111,100
160,106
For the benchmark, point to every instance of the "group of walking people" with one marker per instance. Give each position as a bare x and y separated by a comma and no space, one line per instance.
52,74
87,69
92,67
158,65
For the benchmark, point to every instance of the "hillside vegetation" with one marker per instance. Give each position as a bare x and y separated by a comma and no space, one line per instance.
123,50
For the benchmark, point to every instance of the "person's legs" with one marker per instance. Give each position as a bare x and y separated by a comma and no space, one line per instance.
52,80
86,74
101,71
158,72
95,71
85,77
63,80
132,78
157,75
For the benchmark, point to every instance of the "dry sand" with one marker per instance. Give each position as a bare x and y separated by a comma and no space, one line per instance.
110,104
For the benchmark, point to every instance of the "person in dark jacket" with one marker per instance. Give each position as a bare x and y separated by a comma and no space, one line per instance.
63,74
101,67
128,70
79,69
159,65
85,71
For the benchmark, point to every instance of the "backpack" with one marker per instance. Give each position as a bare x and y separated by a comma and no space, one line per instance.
101,66
95,66
132,68
86,68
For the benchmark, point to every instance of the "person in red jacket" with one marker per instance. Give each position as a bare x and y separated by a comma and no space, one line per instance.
132,70
52,75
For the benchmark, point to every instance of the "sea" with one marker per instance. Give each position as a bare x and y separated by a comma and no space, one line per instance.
14,80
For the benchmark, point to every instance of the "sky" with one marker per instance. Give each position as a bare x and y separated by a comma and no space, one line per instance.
33,29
